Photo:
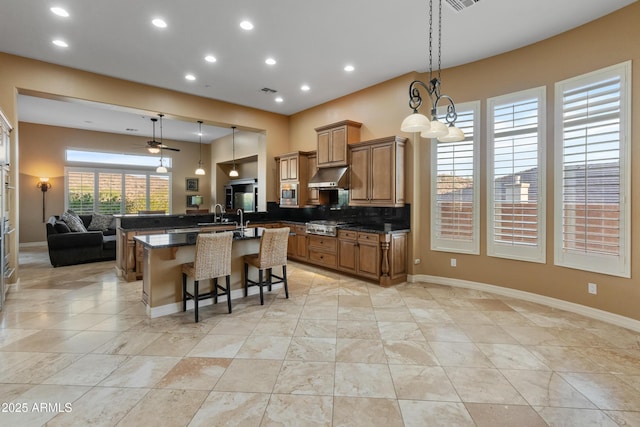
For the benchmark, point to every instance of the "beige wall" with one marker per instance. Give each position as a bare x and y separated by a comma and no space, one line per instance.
607,41
610,40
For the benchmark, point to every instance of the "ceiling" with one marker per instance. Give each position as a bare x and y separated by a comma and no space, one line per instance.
312,42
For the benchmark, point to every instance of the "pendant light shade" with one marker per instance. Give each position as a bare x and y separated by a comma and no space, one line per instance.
415,122
436,129
454,135
234,172
200,169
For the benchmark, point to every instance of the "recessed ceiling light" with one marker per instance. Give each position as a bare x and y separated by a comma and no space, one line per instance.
349,68
60,12
60,43
279,99
210,58
305,87
190,77
246,25
159,22
270,61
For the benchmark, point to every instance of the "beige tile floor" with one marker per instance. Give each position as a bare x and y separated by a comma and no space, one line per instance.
339,352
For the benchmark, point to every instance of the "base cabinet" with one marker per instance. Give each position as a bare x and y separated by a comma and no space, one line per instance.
359,253
323,250
297,245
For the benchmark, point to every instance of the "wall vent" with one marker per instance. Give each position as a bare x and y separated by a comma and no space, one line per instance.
458,5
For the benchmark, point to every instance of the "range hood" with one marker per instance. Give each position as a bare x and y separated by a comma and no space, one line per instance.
330,178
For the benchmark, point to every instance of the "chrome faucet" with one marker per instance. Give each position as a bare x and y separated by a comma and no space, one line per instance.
215,210
241,213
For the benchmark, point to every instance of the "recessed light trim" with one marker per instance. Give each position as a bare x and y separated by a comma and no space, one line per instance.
190,77
60,43
59,11
270,61
210,58
246,25
279,99
304,88
159,22
349,68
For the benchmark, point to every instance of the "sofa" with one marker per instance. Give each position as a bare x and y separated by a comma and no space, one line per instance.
67,247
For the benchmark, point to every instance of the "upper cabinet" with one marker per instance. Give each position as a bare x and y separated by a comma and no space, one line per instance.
333,141
314,193
377,172
290,167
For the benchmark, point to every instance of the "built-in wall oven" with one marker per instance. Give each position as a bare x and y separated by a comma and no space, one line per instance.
288,194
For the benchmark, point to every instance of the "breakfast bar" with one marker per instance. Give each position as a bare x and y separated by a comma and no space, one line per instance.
163,256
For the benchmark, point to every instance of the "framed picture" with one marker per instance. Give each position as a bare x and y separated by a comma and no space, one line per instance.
192,184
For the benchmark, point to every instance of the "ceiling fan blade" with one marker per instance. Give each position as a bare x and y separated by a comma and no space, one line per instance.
164,147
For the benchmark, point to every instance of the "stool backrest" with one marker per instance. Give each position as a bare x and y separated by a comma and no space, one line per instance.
273,247
213,255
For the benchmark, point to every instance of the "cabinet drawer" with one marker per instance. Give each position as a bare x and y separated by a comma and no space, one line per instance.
324,243
323,258
300,229
368,237
347,234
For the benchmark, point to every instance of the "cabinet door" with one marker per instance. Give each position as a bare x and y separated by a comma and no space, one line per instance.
301,246
347,251
293,168
338,144
284,169
383,174
359,175
369,260
291,246
324,140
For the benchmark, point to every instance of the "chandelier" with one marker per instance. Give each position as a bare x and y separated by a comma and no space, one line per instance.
417,122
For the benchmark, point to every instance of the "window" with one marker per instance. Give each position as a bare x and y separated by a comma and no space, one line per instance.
516,176
592,191
106,158
454,184
112,191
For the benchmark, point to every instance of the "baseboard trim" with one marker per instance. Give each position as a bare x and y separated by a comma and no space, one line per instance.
583,310
32,244
176,307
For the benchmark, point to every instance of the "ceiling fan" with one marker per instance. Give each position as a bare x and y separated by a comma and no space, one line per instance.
154,146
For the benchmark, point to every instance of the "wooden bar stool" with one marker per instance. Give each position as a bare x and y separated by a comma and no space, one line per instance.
273,253
212,260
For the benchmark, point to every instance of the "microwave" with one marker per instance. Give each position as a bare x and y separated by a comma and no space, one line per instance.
289,194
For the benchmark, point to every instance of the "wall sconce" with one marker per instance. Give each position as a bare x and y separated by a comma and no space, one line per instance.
44,185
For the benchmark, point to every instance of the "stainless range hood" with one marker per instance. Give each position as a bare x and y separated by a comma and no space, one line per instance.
334,178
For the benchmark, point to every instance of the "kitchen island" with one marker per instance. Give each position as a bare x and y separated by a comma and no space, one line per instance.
163,256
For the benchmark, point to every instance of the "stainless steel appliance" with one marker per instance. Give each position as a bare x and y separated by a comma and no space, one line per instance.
289,194
323,227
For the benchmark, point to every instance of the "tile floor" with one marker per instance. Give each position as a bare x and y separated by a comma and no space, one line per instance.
76,348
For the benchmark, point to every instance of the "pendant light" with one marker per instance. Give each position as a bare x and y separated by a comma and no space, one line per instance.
161,168
200,170
234,171
417,122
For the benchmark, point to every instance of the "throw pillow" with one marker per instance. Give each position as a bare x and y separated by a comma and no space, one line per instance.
61,227
73,221
100,222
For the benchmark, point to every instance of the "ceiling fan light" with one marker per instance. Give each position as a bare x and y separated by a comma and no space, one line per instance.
455,135
415,123
153,150
436,130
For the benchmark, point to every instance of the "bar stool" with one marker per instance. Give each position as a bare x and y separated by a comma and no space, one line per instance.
212,260
273,253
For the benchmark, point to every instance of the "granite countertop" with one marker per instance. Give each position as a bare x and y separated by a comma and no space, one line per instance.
188,238
376,228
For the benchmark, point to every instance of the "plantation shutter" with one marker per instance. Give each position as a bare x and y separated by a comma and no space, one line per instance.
80,191
454,186
516,217
109,193
159,192
593,220
135,192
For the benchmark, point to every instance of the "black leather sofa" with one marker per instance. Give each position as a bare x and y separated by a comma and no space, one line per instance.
68,247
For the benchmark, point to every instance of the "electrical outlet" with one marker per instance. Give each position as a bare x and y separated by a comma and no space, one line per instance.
453,262
593,288
416,261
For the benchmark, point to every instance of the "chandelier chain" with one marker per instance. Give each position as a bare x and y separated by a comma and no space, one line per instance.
439,38
430,40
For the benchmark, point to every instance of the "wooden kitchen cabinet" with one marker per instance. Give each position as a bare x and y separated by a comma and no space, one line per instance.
323,250
297,244
359,253
377,172
333,140
289,167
